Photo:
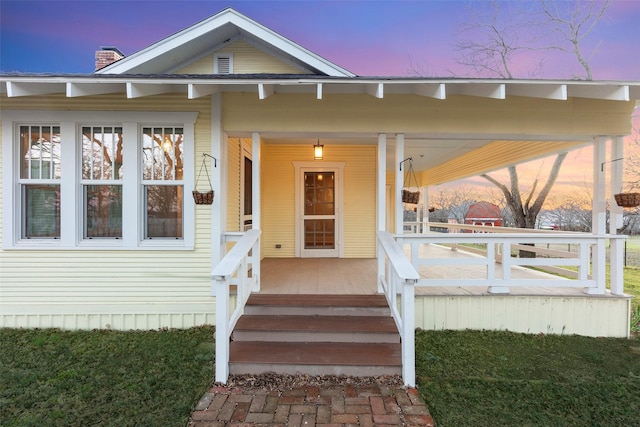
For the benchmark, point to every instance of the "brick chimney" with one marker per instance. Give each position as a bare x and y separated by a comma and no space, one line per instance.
107,55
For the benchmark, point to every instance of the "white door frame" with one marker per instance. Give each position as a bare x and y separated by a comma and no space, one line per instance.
338,169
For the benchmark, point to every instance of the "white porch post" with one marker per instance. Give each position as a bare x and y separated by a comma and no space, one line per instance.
616,259
255,205
217,151
399,181
424,192
381,209
599,215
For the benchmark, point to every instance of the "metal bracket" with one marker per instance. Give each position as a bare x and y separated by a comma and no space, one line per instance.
407,159
215,161
610,161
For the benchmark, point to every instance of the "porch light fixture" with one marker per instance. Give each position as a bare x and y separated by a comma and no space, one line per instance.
317,151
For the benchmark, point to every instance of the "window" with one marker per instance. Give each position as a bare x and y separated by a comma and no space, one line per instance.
117,181
102,172
40,181
162,180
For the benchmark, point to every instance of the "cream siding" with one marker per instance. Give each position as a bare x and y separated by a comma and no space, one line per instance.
233,184
118,289
278,198
581,315
247,59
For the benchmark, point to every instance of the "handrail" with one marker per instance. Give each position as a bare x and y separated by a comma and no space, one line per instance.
235,269
397,275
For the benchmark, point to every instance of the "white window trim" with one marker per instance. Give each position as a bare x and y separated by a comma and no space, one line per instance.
217,56
71,190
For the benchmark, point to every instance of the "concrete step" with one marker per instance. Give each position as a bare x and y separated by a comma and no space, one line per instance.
295,328
315,358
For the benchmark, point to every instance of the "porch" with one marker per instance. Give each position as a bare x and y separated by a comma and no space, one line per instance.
431,281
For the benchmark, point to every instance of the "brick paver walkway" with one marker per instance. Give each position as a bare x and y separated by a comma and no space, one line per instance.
311,406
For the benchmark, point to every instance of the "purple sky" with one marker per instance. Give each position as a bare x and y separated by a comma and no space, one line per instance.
371,38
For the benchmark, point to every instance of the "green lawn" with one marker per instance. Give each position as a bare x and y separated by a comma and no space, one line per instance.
507,379
103,378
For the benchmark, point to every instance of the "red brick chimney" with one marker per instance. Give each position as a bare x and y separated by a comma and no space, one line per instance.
107,55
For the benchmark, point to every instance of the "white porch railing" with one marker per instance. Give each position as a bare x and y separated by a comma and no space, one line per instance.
239,267
397,276
497,257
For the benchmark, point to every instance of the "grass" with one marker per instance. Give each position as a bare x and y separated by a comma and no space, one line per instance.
468,378
471,378
107,378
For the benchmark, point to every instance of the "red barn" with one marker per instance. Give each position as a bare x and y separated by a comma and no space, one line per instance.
484,213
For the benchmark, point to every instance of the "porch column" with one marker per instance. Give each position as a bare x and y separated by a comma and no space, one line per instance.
255,205
616,259
399,174
424,193
599,215
217,151
381,210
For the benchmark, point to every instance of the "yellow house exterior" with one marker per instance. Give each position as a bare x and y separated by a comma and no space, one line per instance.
251,105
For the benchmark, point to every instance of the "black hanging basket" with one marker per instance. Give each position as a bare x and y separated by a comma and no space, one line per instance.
203,198
409,196
627,200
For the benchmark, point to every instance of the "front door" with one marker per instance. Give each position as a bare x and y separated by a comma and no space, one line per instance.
319,201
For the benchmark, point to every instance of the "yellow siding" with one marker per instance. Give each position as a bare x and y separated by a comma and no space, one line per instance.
583,315
233,184
278,198
246,60
120,286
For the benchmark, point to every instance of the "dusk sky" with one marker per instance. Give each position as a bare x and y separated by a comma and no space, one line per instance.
371,38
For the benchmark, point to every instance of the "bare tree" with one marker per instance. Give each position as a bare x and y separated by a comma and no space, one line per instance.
574,21
526,211
451,203
492,38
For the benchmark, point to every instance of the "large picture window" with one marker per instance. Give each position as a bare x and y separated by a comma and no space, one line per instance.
118,180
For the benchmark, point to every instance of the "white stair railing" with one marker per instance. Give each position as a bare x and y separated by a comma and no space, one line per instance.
239,267
396,276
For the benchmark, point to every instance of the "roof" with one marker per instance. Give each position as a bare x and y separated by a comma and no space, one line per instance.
483,210
213,33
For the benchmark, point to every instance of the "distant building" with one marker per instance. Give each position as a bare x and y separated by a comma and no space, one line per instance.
484,213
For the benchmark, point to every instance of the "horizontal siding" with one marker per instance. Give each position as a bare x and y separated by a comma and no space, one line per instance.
278,198
233,184
246,60
589,316
123,289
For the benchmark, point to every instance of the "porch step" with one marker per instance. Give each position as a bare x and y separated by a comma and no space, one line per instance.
316,335
318,305
316,328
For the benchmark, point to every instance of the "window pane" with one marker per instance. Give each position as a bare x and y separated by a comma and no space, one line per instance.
162,153
319,193
319,234
42,211
40,152
164,211
103,208
102,152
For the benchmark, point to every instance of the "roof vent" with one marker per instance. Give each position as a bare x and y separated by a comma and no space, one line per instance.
223,64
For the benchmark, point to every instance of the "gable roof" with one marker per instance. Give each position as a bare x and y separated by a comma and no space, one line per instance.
212,34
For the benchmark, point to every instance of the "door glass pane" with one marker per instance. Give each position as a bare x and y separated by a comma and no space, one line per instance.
319,234
319,190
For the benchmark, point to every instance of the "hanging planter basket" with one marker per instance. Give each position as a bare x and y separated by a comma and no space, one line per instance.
628,200
409,196
203,198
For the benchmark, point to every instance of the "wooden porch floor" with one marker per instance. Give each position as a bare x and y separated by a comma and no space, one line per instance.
357,276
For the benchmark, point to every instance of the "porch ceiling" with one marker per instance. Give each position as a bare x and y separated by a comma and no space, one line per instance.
446,158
